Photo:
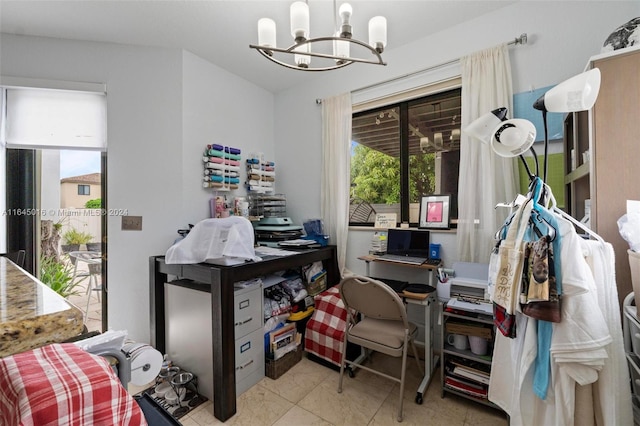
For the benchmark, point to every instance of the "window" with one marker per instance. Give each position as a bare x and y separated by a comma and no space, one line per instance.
84,190
402,152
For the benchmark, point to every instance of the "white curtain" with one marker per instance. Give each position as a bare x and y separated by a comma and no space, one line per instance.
336,167
486,179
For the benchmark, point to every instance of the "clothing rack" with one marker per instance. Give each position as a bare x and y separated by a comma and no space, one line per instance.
521,39
578,224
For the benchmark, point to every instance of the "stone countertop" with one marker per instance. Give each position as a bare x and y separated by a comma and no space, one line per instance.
31,314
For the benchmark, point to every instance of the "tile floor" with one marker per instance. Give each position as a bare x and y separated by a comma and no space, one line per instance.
307,395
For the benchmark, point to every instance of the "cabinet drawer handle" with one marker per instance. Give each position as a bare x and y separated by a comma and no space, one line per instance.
244,366
249,320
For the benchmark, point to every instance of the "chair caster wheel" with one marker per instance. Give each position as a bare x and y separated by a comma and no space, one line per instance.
419,399
352,373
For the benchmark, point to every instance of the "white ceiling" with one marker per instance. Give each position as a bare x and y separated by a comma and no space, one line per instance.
221,31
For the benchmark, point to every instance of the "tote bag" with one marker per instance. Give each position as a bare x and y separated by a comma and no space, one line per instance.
510,261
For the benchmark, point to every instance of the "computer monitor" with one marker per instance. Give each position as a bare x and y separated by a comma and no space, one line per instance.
408,242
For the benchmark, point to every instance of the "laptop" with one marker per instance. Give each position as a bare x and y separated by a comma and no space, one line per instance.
407,246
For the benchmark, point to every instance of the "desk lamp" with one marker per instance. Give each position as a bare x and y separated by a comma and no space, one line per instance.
508,138
579,93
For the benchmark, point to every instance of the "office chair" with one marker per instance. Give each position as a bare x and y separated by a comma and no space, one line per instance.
16,257
377,320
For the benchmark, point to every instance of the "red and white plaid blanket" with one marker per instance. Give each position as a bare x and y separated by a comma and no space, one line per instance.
324,334
61,384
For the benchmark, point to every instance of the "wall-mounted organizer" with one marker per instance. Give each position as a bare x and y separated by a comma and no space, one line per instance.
221,167
261,175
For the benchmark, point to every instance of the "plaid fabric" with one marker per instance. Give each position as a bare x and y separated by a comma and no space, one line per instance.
61,384
325,330
503,321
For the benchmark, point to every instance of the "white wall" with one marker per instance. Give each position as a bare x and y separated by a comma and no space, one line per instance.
219,107
562,37
163,106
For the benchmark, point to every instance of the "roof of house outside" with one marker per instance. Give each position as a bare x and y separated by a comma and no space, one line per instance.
91,178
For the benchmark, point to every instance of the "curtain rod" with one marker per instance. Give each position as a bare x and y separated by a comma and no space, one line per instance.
522,39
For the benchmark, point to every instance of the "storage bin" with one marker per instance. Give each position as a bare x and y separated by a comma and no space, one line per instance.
318,284
276,368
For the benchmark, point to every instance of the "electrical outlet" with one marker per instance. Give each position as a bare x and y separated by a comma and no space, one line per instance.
132,223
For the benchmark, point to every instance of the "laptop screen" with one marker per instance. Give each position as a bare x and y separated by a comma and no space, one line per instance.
408,242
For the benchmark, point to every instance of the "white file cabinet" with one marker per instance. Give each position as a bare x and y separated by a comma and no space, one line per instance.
249,332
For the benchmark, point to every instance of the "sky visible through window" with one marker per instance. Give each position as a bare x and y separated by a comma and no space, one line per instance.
77,163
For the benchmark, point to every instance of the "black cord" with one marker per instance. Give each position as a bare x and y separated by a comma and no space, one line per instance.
546,145
526,166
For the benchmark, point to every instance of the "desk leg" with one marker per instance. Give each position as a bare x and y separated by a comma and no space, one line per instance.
157,305
223,350
429,361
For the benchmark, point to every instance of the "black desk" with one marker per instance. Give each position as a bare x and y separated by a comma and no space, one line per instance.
219,280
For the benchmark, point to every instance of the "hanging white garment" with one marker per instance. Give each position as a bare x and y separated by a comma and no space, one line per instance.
577,348
611,394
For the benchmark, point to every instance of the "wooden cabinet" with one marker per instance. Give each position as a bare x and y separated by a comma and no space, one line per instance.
612,130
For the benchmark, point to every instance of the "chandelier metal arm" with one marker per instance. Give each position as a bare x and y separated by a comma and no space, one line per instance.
265,50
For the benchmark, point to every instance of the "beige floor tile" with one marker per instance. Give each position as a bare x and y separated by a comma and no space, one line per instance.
203,415
259,407
298,382
299,417
186,421
356,405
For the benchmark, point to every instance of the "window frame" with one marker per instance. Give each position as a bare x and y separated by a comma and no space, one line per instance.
403,101
84,186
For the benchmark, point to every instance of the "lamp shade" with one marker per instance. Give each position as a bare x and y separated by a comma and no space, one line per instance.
481,128
378,33
579,93
299,20
513,137
267,32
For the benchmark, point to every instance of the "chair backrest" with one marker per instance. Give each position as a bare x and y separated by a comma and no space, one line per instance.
16,257
372,298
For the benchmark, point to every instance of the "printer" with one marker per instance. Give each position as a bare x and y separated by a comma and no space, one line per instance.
468,288
272,230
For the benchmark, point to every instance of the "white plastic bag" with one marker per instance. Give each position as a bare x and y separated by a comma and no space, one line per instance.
629,227
215,241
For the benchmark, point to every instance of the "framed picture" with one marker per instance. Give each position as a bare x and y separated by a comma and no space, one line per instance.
434,212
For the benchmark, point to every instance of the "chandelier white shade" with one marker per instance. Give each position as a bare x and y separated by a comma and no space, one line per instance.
299,21
338,46
267,32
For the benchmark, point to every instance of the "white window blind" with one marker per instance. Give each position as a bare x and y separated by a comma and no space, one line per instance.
51,118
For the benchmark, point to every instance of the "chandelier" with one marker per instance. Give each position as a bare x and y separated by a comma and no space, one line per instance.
334,50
